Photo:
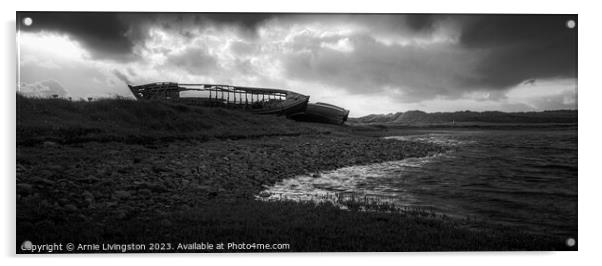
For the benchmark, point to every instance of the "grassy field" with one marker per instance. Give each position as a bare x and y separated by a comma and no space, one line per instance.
121,171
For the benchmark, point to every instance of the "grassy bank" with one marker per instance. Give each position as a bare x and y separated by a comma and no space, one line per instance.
129,121
84,176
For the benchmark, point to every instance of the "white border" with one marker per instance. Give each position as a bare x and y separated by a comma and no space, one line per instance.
589,129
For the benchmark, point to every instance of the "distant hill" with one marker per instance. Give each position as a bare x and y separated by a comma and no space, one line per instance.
463,117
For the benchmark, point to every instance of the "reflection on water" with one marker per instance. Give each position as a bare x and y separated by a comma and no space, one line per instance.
517,177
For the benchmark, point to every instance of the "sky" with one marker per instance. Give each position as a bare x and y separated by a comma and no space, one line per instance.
367,63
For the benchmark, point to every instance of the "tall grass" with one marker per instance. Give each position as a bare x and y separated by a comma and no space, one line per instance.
305,226
126,120
356,201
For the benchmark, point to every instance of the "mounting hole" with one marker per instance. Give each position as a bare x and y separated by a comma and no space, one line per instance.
570,242
26,245
571,24
27,21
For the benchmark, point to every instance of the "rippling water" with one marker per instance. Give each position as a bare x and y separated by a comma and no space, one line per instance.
525,178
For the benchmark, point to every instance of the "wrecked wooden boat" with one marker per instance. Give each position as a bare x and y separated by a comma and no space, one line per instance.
322,113
255,100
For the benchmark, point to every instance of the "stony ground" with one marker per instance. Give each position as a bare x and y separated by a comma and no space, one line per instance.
98,181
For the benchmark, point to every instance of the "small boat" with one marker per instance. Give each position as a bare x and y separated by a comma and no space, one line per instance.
322,113
255,100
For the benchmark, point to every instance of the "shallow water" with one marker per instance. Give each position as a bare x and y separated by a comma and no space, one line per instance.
523,178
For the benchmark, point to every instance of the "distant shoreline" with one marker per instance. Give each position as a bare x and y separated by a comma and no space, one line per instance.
419,118
384,126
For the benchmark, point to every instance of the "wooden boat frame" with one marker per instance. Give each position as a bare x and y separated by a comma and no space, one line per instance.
253,99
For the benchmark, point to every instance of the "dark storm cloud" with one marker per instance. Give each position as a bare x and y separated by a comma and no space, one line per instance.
372,67
521,47
249,21
493,52
185,23
418,56
103,34
112,35
421,22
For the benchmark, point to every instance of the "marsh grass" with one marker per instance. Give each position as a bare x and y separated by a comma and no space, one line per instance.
355,201
306,226
141,122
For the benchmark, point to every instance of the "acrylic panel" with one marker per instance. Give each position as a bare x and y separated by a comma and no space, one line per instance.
295,132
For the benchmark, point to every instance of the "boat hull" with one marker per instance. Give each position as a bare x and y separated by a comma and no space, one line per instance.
322,113
254,100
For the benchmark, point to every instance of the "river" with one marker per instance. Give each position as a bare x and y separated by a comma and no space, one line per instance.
523,178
